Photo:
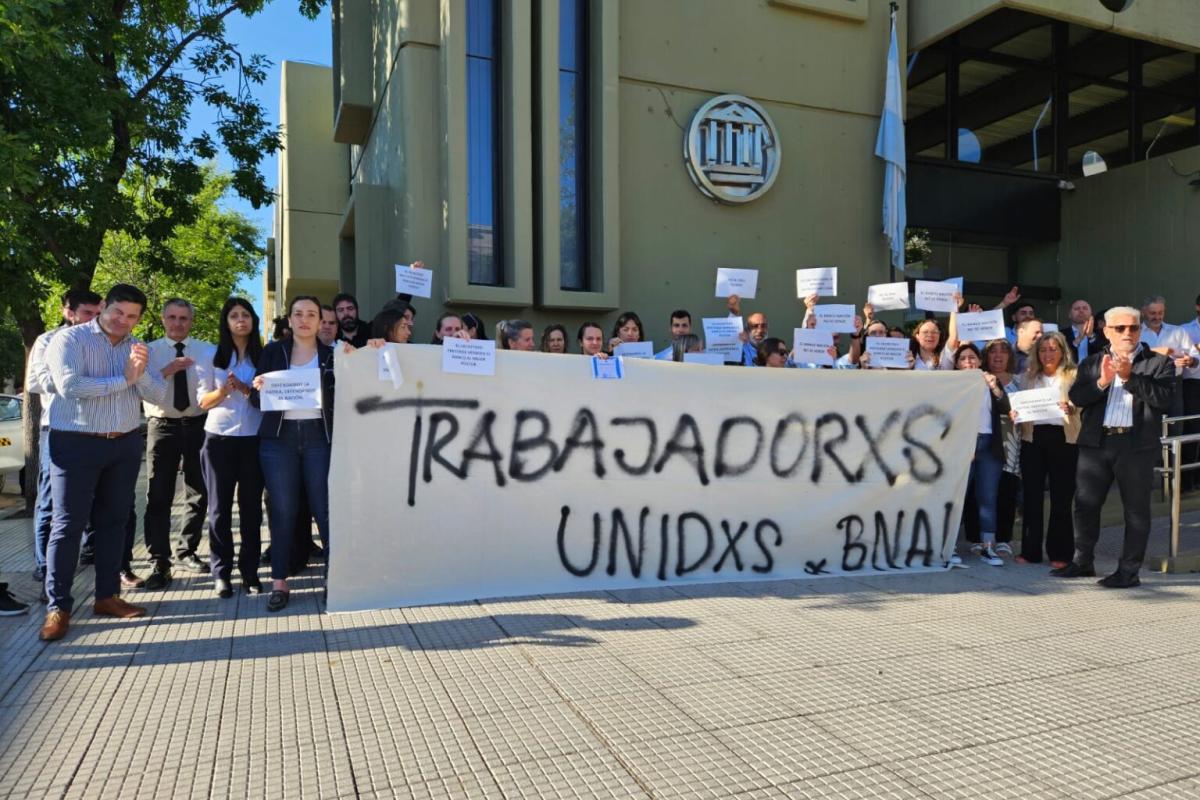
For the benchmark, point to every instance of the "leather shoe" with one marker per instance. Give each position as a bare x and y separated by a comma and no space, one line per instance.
1120,581
190,563
277,601
131,581
1073,570
56,625
159,579
223,588
116,607
252,586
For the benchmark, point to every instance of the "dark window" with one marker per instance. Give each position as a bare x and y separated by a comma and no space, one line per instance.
1017,91
572,143
484,222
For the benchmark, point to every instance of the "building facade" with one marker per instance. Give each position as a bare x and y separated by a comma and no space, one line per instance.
540,155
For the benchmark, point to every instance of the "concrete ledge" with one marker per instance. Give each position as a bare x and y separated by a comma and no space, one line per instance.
1181,564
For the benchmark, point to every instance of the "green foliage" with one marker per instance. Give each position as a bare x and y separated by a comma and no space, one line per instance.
94,91
211,256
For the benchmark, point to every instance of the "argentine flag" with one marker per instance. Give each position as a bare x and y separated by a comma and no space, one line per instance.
889,145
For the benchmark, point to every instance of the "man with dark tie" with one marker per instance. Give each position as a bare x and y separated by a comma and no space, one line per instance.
175,435
1122,392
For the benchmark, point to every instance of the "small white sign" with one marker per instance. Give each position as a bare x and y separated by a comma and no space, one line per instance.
469,356
635,350
888,296
812,346
886,351
723,335
1037,405
817,280
936,296
290,390
608,369
389,366
1049,327
414,280
981,326
835,317
742,282
712,359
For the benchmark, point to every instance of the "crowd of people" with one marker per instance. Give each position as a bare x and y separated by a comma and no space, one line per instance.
1117,373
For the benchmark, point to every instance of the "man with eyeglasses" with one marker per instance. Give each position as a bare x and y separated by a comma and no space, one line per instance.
1122,391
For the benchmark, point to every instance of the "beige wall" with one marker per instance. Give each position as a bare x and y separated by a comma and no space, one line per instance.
1131,232
1175,23
819,77
313,179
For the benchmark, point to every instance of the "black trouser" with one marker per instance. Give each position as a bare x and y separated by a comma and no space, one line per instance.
231,462
1048,456
170,442
1191,452
1133,469
1006,510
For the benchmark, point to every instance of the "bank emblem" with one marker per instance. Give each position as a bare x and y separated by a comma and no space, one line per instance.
731,150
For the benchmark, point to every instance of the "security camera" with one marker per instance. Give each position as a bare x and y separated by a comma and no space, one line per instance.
1116,6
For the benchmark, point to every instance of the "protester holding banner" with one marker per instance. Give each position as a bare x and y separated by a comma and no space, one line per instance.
448,325
926,346
554,339
591,340
392,325
684,344
1048,451
627,328
772,352
230,452
474,326
515,334
295,444
984,478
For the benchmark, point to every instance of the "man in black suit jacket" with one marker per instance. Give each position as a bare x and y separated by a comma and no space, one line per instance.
1122,392
1082,333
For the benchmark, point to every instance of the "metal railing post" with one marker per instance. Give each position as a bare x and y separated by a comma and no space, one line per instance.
1176,485
1166,451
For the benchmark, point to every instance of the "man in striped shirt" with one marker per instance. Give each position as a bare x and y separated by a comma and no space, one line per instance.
99,370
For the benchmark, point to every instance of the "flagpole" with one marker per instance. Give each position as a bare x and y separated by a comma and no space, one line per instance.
895,9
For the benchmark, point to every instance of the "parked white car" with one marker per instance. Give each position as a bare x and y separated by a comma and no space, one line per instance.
12,438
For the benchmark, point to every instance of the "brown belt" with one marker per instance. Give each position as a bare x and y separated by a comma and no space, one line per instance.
1114,431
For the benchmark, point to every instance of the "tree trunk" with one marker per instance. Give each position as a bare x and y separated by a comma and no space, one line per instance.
31,415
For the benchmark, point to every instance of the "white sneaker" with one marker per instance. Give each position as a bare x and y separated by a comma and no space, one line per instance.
988,556
1004,549
976,549
956,562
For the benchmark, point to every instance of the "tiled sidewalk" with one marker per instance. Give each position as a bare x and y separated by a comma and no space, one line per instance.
978,683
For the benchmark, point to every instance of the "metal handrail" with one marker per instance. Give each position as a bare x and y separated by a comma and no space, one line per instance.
1167,422
1176,443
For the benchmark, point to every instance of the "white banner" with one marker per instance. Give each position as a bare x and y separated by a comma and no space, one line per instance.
541,479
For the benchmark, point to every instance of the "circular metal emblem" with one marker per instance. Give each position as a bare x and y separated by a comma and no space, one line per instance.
731,149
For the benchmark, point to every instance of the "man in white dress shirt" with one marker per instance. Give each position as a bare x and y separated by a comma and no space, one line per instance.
1122,392
1191,400
1170,341
175,435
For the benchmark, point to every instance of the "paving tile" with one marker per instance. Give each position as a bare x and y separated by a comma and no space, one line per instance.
791,749
694,766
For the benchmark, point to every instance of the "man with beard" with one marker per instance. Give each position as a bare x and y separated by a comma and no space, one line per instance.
350,328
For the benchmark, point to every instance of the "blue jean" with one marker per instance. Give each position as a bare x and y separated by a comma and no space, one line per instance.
984,483
299,456
91,479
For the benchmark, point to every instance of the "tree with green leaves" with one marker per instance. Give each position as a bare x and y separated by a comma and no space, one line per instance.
90,90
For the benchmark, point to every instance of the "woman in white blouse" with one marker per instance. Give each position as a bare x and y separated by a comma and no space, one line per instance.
229,456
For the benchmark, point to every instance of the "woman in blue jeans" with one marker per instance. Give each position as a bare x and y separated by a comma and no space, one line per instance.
984,480
294,445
